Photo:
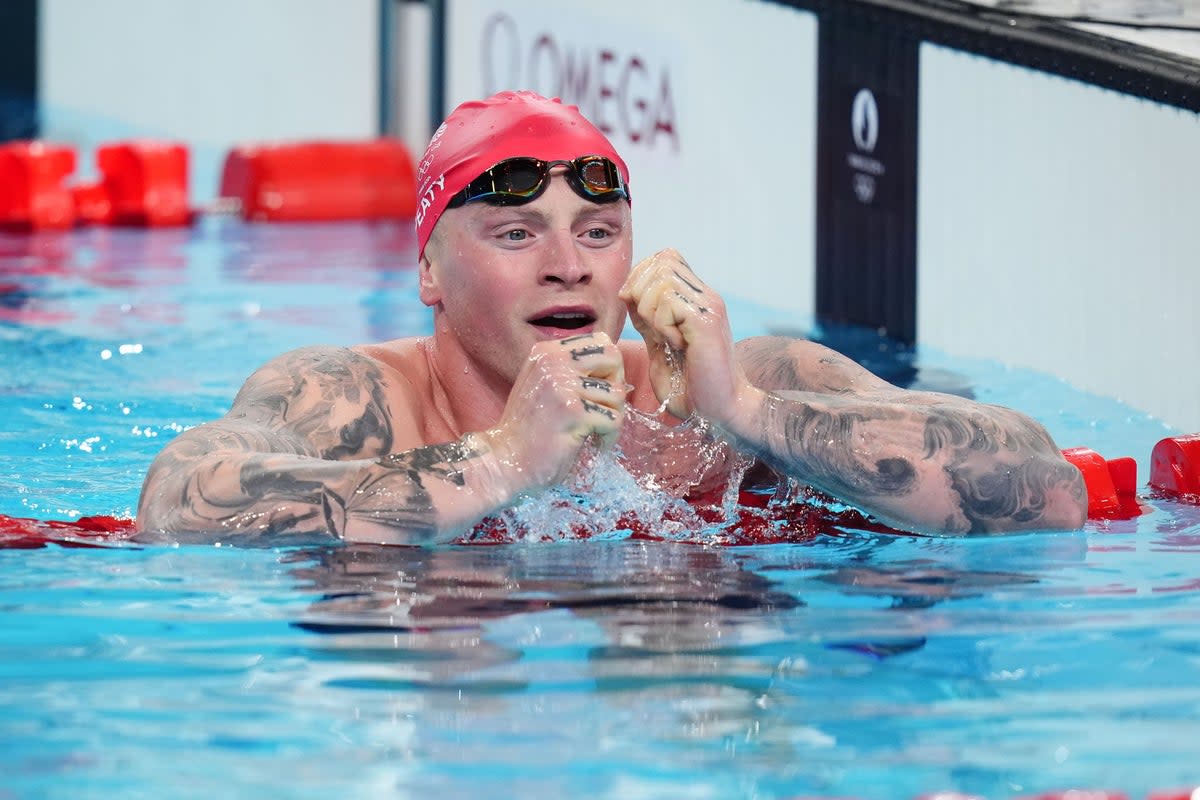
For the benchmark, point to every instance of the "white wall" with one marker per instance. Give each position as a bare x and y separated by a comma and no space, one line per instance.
209,73
1059,229
410,34
731,184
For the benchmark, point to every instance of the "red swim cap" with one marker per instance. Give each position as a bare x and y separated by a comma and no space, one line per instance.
481,133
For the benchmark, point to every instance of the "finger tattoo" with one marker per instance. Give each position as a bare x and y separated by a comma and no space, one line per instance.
689,284
578,353
596,383
596,408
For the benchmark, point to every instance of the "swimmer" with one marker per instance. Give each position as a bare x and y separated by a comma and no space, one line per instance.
524,231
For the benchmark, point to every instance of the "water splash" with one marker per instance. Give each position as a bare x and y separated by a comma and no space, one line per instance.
675,362
680,482
665,479
600,498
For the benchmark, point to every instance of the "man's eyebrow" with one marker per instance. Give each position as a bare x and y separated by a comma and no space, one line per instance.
537,217
606,212
492,214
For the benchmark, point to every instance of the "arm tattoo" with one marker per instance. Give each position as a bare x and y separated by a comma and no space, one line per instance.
1014,486
768,364
407,503
333,401
302,433
818,443
773,363
255,493
284,493
1002,469
1017,493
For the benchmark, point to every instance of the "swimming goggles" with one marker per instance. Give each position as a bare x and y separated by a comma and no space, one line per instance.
520,180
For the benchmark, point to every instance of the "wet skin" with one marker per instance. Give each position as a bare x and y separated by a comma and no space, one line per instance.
414,440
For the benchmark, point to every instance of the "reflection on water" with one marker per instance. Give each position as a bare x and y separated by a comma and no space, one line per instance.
406,589
797,667
853,664
429,618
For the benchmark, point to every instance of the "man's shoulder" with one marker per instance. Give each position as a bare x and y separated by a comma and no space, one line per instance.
339,391
326,370
403,357
321,363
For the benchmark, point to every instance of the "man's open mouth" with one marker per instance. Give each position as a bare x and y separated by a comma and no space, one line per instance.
567,320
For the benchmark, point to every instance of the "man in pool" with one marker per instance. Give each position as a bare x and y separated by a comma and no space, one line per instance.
525,252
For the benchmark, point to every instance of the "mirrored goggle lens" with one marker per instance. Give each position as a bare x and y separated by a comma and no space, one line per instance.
598,175
519,176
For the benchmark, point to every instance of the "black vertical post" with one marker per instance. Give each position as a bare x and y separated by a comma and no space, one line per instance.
386,23
867,172
437,66
18,69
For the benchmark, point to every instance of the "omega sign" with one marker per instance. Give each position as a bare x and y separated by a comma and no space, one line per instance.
864,129
624,95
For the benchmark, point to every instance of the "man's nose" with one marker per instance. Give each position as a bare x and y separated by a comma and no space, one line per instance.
564,263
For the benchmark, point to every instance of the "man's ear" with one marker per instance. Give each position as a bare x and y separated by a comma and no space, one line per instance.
428,277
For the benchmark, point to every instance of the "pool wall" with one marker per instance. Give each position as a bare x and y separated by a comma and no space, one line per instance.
992,186
209,74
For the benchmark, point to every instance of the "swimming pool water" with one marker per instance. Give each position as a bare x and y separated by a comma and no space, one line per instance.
853,665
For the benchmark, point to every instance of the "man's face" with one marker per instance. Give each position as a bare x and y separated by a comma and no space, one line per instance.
504,277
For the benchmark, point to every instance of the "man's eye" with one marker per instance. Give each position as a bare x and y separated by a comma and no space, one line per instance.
517,235
598,233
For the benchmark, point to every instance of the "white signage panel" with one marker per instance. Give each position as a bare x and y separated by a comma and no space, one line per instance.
713,106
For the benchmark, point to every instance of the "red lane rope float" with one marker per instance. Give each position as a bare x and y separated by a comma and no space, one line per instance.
32,195
1175,467
143,184
321,181
19,533
1111,483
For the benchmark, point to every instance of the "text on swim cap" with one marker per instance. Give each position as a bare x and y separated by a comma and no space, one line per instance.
427,196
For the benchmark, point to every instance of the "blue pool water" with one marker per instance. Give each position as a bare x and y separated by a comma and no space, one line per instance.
852,665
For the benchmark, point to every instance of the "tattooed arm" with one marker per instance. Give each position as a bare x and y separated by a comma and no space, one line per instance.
939,462
921,460
307,449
